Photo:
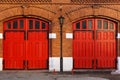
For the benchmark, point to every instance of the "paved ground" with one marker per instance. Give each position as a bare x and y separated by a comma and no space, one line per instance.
38,75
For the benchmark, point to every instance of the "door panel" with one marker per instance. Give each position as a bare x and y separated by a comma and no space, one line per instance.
83,49
106,49
37,55
14,50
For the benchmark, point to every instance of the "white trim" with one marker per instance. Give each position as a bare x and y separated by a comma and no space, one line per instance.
1,64
118,35
67,63
54,63
1,35
52,35
69,35
118,67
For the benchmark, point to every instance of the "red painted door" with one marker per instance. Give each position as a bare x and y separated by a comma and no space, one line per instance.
37,45
25,44
83,45
14,45
94,44
83,49
105,48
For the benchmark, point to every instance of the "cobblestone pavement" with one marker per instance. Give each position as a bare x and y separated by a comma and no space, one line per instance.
45,75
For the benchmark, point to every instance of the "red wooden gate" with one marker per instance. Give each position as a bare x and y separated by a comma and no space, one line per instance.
37,43
105,48
94,44
25,44
14,45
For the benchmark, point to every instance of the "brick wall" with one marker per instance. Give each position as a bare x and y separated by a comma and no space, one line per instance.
72,12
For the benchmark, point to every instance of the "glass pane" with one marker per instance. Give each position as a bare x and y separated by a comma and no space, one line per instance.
78,25
111,26
8,25
105,24
30,24
37,25
15,24
89,24
43,25
21,24
83,24
99,24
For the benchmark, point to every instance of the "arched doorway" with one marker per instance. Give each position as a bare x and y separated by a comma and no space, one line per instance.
25,44
94,44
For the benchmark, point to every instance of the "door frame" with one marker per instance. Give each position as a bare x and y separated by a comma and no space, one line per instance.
116,34
22,17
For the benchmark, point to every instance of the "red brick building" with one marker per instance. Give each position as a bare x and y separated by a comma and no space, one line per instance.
30,34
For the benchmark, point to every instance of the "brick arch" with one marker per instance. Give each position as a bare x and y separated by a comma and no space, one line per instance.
86,12
19,11
97,16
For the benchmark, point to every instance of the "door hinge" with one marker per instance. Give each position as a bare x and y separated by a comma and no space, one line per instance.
3,62
93,63
47,63
27,63
24,62
116,61
4,36
96,63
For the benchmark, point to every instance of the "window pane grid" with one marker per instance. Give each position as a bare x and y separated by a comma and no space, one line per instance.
111,26
15,24
105,24
83,24
30,24
78,25
21,24
9,25
43,25
37,25
90,24
99,24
